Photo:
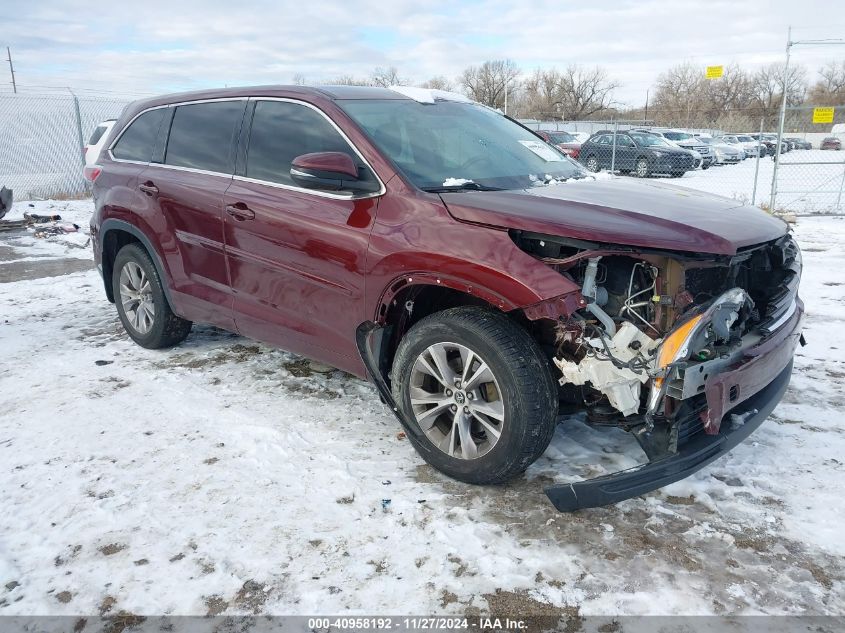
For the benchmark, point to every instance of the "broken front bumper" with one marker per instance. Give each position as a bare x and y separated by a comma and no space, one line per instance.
747,393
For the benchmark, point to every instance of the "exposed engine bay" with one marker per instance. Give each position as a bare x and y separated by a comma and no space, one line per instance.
656,326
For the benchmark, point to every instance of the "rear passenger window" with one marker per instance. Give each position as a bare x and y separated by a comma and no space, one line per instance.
202,134
138,140
281,131
97,134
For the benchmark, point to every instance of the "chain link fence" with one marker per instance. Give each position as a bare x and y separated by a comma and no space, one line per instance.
43,135
734,155
41,144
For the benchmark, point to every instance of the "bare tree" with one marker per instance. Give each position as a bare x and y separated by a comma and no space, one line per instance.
299,79
680,94
768,86
574,93
349,80
830,88
439,83
386,77
589,92
487,83
733,91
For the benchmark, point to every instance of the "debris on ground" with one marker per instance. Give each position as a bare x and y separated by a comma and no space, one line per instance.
5,200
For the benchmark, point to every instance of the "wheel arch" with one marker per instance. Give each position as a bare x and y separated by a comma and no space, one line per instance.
115,234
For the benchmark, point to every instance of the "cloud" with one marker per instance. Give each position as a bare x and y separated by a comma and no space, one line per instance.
156,46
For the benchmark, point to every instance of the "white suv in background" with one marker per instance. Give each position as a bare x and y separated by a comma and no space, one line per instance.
95,144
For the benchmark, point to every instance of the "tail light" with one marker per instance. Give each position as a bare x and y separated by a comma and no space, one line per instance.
92,172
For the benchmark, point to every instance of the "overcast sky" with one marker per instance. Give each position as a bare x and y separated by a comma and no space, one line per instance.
152,46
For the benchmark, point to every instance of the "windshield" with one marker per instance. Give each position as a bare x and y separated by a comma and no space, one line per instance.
648,140
707,140
452,144
678,136
562,137
745,139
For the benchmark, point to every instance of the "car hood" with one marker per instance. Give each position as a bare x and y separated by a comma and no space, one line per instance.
670,150
622,211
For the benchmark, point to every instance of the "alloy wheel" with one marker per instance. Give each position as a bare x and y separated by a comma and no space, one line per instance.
136,297
456,400
642,168
592,164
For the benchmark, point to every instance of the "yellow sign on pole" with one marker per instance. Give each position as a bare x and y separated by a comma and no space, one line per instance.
822,115
714,72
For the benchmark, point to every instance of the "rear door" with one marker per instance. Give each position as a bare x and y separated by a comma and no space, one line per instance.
296,256
186,183
626,152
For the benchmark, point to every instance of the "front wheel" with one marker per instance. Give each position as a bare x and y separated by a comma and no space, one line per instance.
592,164
643,168
141,303
479,391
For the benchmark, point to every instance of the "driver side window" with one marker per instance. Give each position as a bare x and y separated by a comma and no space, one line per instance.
280,132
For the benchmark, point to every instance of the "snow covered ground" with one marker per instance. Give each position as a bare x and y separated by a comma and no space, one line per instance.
224,476
803,187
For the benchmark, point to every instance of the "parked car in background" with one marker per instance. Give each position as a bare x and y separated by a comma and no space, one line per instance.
581,137
723,153
698,158
564,141
752,146
685,141
96,142
639,153
770,141
831,142
477,275
800,143
733,141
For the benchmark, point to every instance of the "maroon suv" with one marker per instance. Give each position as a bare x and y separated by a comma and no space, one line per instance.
481,279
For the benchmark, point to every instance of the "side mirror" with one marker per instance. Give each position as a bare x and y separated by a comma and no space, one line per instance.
329,171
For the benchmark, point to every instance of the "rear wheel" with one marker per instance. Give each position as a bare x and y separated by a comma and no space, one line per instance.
479,391
141,303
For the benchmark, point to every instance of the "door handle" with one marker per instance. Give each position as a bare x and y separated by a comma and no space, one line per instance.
240,211
148,188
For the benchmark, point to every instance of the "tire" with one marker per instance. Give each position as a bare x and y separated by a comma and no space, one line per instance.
522,392
643,169
592,163
705,165
144,311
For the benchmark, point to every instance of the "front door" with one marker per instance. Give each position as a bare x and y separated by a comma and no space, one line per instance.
296,256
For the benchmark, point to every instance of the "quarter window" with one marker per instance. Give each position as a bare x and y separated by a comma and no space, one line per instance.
281,131
97,134
137,142
202,135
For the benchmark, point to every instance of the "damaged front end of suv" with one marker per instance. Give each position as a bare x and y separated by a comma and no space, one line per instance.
688,352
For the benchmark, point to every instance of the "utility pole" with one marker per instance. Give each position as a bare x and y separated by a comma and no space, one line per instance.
785,87
645,116
789,45
12,70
